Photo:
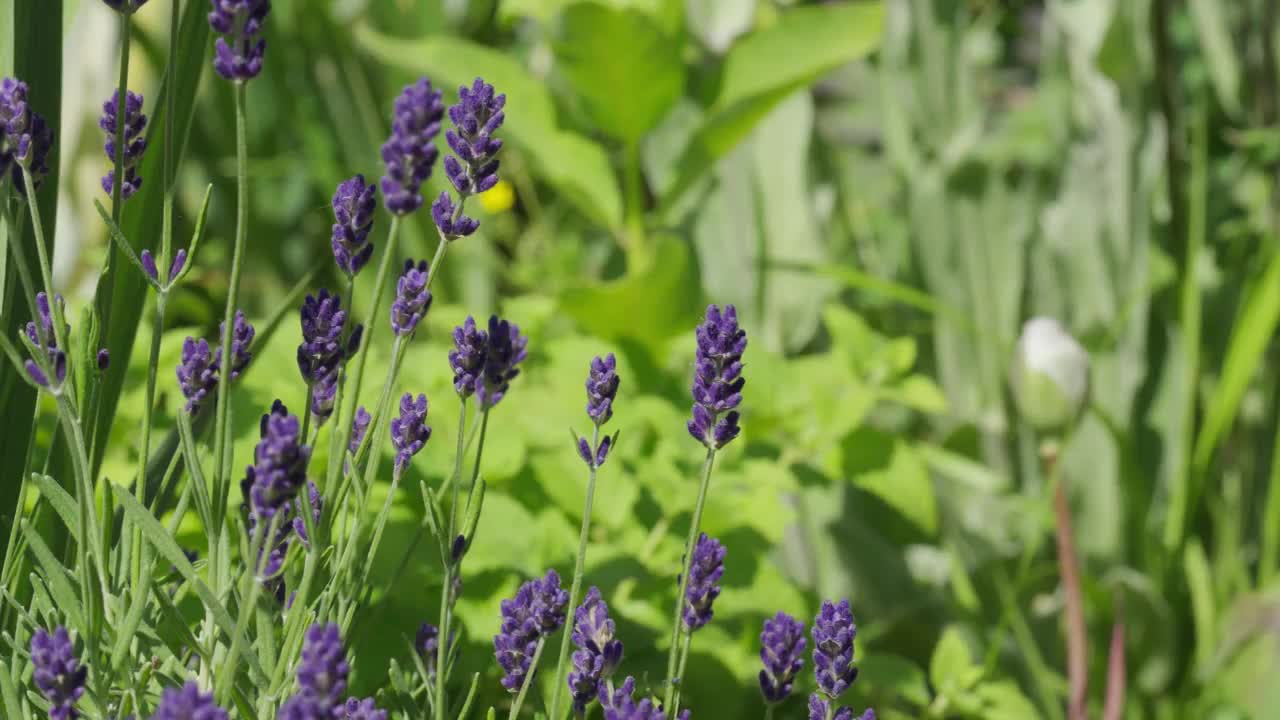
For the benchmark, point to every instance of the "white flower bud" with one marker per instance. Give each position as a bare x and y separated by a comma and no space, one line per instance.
1049,375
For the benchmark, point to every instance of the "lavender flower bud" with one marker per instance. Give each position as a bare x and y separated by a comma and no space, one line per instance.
322,319
602,388
820,706
705,571
40,333
537,610
134,142
241,339
467,357
188,703
623,706
354,203
409,432
239,53
280,464
782,653
58,674
505,351
103,359
322,673
476,116
427,643
179,260
128,7
363,710
449,219
25,138
598,653
324,393
359,427
413,299
299,514
197,373
833,633
410,153
149,265
619,695
717,378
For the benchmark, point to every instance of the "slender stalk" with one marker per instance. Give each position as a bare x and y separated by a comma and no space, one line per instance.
1069,570
684,660
768,711
576,586
222,417
117,181
166,234
42,254
677,621
258,555
528,679
446,607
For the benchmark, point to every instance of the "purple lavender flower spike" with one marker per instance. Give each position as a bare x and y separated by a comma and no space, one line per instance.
128,7
365,709
833,633
628,708
717,378
537,610
354,203
359,427
58,673
413,299
241,339
40,333
506,350
135,143
598,653
467,357
324,393
620,693
149,265
280,465
427,643
410,432
323,670
239,53
410,153
25,138
179,260
705,571
782,653
449,219
188,703
819,706
322,319
602,388
197,373
476,116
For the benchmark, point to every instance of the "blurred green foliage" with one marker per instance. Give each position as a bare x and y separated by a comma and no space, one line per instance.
886,190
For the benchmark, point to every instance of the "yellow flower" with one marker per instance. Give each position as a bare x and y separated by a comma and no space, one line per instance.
498,198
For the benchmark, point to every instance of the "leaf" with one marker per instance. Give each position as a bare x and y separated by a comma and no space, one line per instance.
951,662
1203,611
624,309
889,467
627,73
57,578
896,676
164,544
142,214
1214,33
9,693
766,67
1004,701
577,167
61,501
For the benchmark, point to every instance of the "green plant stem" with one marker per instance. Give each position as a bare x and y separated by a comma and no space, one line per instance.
528,679
221,479
227,674
576,586
768,711
144,454
636,244
684,660
166,234
117,181
46,269
677,621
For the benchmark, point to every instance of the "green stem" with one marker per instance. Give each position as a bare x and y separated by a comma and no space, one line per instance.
528,679
42,254
258,555
768,711
677,621
166,234
117,181
233,290
684,660
576,586
636,244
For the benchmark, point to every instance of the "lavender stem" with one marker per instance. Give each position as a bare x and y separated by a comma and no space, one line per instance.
576,586
528,678
673,678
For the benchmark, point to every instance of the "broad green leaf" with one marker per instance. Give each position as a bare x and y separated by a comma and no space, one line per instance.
891,468
897,676
1004,701
624,310
622,66
767,66
577,167
951,662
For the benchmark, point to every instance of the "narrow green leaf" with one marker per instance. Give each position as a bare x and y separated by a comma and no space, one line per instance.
767,66
57,579
474,506
1203,610
9,693
117,236
61,502
169,550
196,236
